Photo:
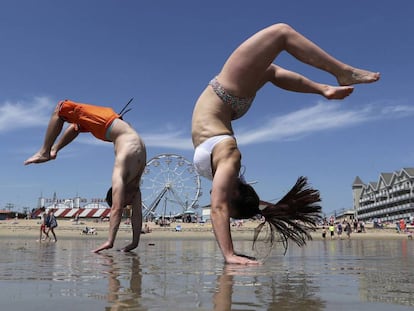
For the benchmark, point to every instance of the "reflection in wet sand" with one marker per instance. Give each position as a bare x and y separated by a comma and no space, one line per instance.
272,292
190,275
124,281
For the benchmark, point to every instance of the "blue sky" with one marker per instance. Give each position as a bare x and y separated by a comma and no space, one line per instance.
163,53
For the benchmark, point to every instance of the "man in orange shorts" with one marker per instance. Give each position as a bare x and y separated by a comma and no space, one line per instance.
130,157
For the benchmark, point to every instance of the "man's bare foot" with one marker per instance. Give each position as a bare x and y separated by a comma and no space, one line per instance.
337,92
37,158
356,76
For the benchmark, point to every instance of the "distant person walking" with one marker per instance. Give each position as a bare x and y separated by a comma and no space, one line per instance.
403,226
339,230
348,229
355,225
362,226
51,224
332,230
43,216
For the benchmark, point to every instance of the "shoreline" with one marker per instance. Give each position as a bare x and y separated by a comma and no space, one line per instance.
69,229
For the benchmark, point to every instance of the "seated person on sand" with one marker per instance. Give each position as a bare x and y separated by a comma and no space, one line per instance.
146,229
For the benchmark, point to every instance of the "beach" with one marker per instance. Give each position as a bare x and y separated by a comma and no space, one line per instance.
184,270
67,228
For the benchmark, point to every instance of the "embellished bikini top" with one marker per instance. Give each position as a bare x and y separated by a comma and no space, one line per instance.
239,105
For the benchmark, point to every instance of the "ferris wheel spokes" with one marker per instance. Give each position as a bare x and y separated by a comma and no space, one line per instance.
173,178
179,201
150,209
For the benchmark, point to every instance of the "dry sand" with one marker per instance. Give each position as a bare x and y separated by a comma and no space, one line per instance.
69,229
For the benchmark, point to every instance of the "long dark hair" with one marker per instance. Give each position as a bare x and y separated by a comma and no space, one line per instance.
108,197
246,204
291,218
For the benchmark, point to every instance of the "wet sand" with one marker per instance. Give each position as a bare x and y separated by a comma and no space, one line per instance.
171,273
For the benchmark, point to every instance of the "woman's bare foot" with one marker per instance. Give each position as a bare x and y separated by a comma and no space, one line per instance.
336,92
53,153
37,158
356,76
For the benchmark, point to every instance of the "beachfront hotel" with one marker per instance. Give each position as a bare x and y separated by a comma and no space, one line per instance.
389,199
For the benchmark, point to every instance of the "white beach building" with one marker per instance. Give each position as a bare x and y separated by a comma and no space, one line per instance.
389,199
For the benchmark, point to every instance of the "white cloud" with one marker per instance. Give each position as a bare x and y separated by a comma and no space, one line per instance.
25,114
323,116
397,111
168,139
295,125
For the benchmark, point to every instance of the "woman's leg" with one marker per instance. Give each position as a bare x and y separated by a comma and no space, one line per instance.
246,67
295,82
54,235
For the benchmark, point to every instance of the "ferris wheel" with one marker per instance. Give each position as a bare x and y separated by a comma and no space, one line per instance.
169,186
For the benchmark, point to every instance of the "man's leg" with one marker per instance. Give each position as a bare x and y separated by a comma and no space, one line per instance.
53,130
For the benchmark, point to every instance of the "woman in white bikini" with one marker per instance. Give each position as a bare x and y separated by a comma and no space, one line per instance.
228,97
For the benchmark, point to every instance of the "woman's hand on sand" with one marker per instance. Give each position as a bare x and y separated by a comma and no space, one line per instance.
239,259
